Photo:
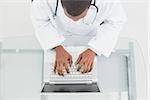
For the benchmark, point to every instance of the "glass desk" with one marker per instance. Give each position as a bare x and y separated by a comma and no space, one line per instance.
22,77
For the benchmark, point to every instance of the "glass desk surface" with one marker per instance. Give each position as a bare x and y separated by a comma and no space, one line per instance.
22,60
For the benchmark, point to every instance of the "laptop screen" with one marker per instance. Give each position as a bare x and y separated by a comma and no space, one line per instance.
70,88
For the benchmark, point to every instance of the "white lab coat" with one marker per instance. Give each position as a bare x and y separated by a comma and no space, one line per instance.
100,38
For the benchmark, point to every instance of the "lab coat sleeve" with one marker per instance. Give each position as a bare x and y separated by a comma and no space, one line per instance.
43,22
107,34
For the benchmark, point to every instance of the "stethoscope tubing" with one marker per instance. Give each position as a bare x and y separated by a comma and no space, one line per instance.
94,4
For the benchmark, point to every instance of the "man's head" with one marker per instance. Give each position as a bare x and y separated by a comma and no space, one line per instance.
75,9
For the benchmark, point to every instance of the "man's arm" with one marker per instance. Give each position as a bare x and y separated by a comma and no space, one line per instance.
108,33
45,29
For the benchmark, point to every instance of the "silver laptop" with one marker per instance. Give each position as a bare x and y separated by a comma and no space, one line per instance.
74,81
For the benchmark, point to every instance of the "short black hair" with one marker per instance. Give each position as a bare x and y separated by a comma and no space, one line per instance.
75,7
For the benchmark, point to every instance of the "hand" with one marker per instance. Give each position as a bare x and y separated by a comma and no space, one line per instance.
85,61
63,61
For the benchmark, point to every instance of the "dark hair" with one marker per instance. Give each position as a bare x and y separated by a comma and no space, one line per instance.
75,7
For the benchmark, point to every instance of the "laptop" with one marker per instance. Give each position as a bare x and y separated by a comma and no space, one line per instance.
74,81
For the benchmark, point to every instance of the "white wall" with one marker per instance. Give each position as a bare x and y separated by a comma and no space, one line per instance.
15,20
137,25
149,52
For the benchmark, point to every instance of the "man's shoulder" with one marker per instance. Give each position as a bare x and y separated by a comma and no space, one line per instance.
103,2
51,3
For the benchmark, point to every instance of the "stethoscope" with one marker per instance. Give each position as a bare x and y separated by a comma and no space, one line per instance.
92,4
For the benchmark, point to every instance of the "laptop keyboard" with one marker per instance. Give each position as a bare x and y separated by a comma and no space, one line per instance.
73,77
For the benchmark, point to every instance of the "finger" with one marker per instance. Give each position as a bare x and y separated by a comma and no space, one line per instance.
70,60
82,61
55,67
67,67
71,63
81,69
78,60
58,68
78,67
91,67
61,69
58,71
85,70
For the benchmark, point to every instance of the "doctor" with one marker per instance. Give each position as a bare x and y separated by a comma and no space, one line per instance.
95,23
